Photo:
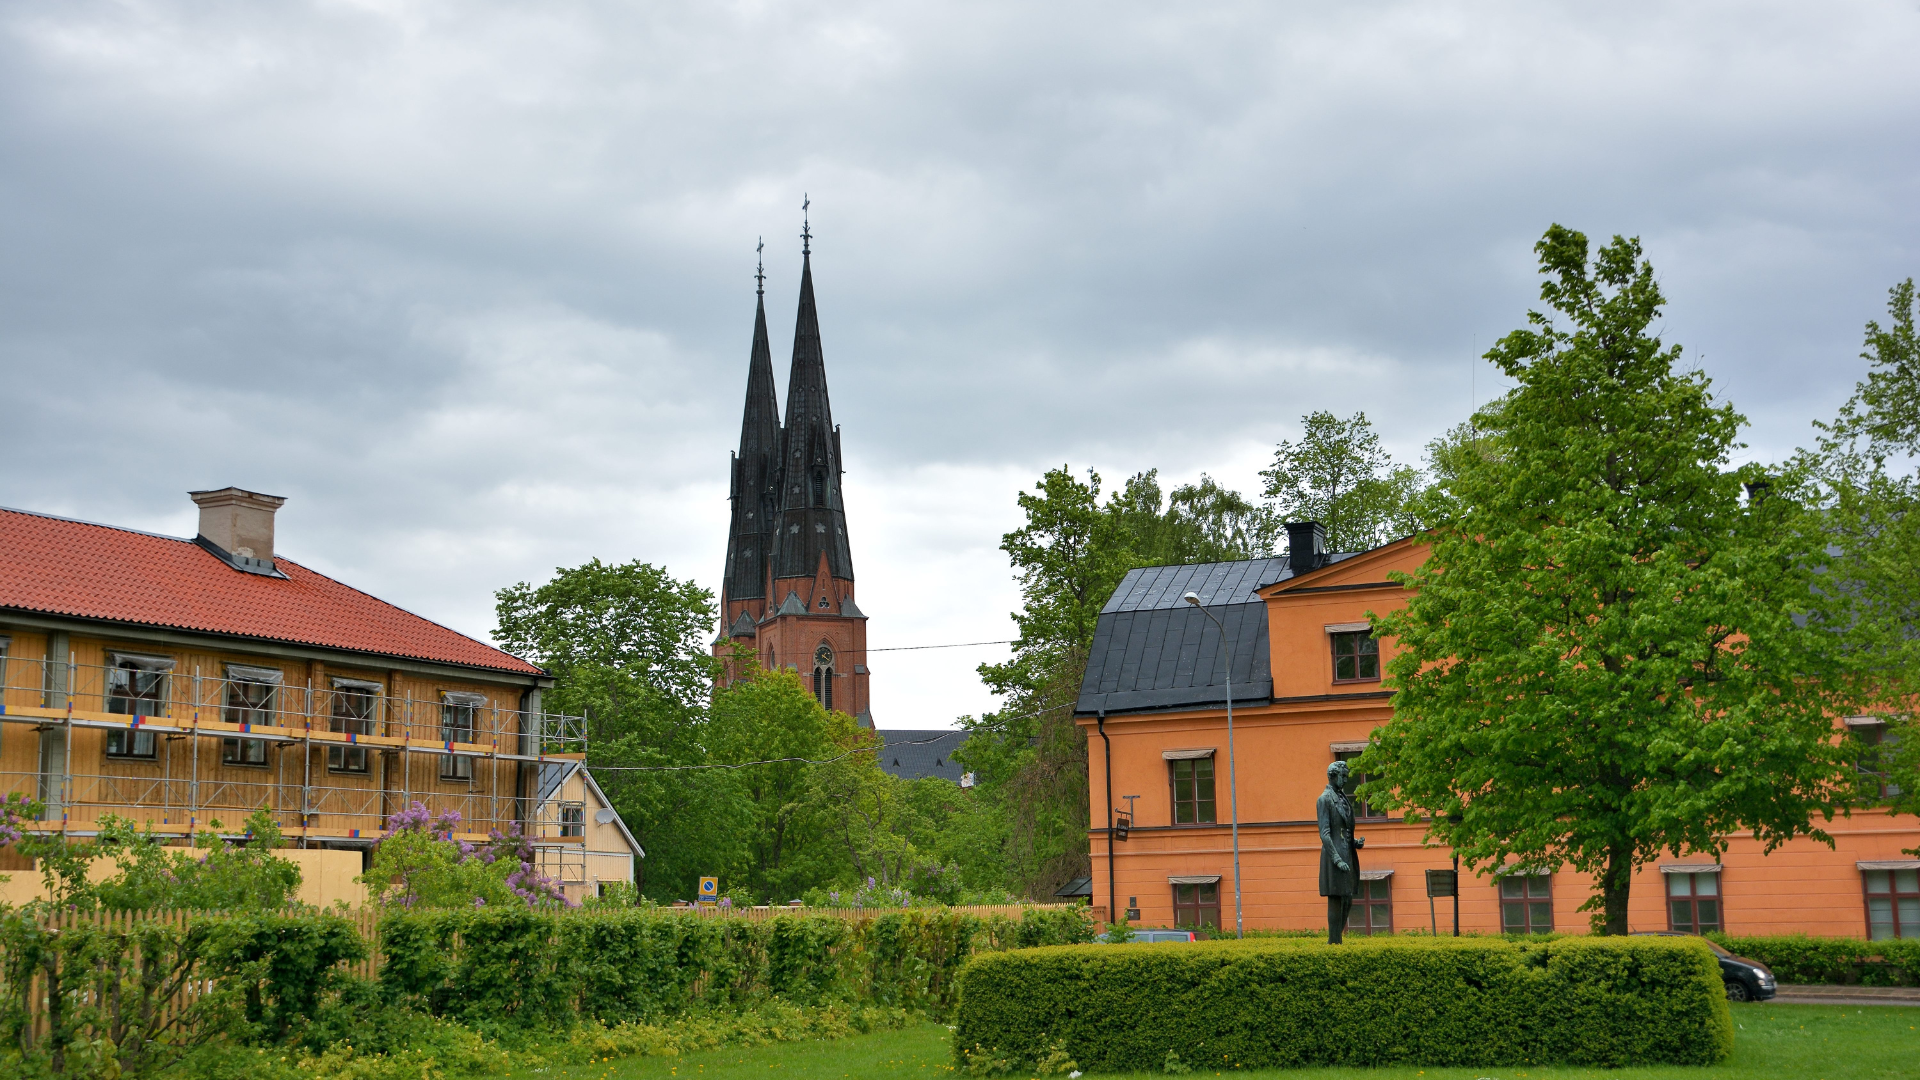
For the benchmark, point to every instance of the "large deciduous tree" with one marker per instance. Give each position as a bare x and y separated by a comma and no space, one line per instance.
1339,475
1610,651
1864,480
1030,757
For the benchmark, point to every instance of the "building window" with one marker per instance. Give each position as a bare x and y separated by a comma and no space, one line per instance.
352,712
1372,911
1356,657
136,686
1872,763
1693,903
1893,904
823,675
250,699
459,715
1197,905
1526,904
573,819
1192,790
1361,809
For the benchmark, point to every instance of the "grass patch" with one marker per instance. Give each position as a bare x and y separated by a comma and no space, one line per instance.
1800,1042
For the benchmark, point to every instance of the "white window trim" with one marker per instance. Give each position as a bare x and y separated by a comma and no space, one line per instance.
1695,868
246,673
1193,879
1375,875
1348,747
462,697
1888,864
1189,755
1865,721
139,660
356,684
1349,627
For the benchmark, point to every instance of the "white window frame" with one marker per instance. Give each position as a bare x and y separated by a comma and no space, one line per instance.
236,751
458,768
134,744
351,760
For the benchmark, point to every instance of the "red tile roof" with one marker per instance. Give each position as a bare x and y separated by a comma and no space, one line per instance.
65,567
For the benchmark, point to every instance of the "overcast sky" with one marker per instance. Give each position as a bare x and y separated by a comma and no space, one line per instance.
471,284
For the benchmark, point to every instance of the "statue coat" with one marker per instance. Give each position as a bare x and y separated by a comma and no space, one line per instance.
1336,838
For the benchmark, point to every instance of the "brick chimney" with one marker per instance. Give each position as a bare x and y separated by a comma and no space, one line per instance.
237,526
1306,545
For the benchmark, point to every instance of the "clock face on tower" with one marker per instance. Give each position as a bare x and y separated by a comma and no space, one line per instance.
823,657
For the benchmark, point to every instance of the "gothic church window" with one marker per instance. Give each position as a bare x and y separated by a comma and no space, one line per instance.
823,675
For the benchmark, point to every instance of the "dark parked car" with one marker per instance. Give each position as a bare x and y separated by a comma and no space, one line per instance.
1747,980
1148,937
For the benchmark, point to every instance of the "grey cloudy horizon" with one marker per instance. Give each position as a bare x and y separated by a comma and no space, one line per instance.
471,284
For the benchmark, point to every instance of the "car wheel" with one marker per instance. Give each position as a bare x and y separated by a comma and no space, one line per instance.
1737,991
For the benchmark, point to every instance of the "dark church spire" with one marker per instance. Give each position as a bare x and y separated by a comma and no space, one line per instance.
813,519
755,487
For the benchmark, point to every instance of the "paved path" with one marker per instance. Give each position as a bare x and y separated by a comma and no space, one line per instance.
1848,995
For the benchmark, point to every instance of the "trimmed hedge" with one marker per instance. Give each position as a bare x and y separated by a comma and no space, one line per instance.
489,968
1279,1004
1797,958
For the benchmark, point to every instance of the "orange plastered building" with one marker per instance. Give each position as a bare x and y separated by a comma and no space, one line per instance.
1304,669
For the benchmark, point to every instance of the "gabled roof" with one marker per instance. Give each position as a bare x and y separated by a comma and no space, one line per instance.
911,755
1153,650
58,566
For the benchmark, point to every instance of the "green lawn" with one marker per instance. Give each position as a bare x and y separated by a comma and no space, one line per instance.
1776,1042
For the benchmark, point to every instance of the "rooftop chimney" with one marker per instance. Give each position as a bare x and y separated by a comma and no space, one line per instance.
237,526
1306,545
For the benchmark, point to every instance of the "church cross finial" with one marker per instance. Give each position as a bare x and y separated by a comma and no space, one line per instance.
806,227
760,267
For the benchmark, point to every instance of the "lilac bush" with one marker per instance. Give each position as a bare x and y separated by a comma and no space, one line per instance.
419,864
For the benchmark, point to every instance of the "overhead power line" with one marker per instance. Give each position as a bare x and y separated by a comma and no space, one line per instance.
807,761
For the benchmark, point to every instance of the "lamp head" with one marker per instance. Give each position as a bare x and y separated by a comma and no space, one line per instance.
1192,598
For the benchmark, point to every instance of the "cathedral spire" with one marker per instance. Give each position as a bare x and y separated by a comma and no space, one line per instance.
755,485
812,514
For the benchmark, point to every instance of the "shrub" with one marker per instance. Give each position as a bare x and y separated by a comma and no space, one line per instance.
1798,958
1267,1004
495,968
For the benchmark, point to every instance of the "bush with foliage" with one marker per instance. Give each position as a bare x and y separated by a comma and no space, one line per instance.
1798,958
1277,1004
418,863
500,968
210,875
115,1000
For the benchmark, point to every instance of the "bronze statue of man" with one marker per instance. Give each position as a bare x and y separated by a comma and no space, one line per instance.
1339,850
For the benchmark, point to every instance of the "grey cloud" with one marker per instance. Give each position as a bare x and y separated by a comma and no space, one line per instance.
470,281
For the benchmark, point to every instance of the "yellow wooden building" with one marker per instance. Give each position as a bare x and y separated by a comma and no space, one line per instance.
182,682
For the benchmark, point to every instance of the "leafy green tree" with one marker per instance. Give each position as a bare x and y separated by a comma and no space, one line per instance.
788,841
1030,758
1600,659
626,645
1339,475
1863,479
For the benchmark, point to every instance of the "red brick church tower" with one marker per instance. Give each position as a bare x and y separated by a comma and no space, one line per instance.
787,596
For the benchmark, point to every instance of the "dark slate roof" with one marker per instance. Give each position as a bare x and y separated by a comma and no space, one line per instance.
1152,650
1080,886
911,755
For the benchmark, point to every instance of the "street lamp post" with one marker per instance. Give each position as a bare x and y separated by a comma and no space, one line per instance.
1233,791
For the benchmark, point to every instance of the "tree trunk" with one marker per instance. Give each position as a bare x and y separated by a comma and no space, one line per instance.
1616,885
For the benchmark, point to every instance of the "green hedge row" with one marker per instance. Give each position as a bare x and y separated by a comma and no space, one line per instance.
491,967
1277,1004
1797,958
